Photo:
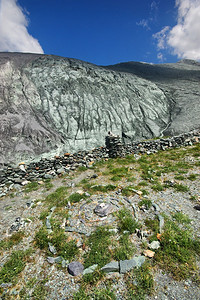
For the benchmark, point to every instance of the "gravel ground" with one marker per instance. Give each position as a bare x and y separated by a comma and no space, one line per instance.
60,284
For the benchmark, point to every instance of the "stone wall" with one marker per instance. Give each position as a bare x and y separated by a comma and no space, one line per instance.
16,176
116,148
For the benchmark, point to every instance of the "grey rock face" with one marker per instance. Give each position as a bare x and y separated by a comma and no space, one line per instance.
180,84
52,105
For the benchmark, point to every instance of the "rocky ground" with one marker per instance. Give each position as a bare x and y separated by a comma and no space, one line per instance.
111,211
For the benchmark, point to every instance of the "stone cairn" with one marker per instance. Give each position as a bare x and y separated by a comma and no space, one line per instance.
114,145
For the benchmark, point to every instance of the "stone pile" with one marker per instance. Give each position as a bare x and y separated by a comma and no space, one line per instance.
13,177
114,146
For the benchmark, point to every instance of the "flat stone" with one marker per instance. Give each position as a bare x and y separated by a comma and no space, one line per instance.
149,253
103,209
90,269
75,268
127,265
113,266
154,245
48,224
52,249
51,260
58,259
161,222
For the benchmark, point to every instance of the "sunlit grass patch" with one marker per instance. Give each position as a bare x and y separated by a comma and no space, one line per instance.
14,266
14,239
126,221
125,249
31,186
139,282
58,197
178,247
98,242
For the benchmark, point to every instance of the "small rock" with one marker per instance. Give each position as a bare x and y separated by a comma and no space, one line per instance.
51,260
113,266
127,265
58,259
75,268
94,176
149,253
52,249
156,207
87,194
90,269
48,224
25,182
154,245
64,263
103,209
60,171
197,207
162,222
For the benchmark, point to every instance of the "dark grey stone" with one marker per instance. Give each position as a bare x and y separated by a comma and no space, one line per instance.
75,268
103,209
197,207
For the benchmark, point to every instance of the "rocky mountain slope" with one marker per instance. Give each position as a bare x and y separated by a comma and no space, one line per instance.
50,105
179,82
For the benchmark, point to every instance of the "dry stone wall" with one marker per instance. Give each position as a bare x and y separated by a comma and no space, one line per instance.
16,176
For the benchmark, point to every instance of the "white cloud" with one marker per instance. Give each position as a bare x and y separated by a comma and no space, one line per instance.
153,10
184,37
144,24
14,36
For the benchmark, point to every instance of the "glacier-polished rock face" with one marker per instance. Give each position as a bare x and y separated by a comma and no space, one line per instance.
52,105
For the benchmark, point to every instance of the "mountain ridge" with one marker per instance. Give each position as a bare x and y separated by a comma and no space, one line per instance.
50,104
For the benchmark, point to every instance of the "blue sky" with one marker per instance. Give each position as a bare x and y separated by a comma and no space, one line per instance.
102,32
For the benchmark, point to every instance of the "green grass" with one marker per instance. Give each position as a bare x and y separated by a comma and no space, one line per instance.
96,294
158,187
179,177
98,242
48,184
180,187
76,197
68,250
13,266
178,248
192,177
145,202
125,249
103,188
128,190
30,187
14,239
181,218
41,238
126,221
139,282
59,197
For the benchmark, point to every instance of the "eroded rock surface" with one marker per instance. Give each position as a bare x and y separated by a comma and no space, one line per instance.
50,105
